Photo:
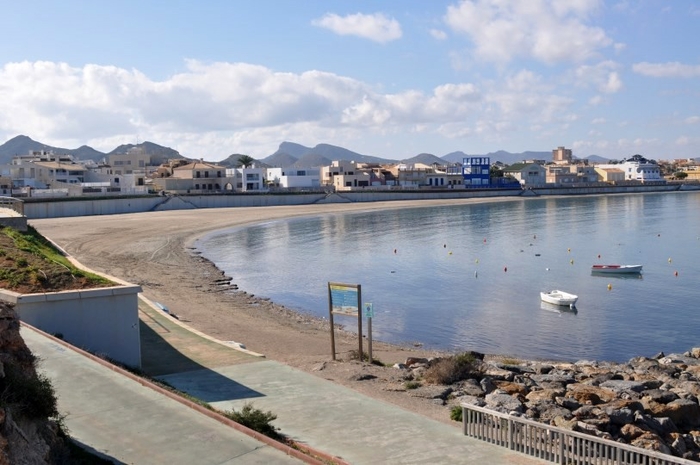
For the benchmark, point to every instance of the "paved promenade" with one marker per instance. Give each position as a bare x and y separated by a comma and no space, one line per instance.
126,422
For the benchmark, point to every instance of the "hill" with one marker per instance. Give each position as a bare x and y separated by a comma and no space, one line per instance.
426,159
321,154
22,145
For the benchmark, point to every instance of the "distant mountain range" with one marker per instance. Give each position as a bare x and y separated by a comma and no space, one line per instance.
289,154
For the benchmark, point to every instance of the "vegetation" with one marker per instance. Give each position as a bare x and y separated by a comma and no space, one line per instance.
409,385
24,392
355,355
245,161
29,263
452,369
680,175
456,413
255,419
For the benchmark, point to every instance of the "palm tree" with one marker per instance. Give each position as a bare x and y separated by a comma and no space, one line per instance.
245,161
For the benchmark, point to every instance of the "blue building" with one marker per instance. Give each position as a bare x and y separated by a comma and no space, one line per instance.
476,171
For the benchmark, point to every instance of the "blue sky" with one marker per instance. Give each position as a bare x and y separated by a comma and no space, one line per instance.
391,79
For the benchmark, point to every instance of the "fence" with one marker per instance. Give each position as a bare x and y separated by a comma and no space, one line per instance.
555,444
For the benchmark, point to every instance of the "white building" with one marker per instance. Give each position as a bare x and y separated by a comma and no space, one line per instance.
637,168
294,178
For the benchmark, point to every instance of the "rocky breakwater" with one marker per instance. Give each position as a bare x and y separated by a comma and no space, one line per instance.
647,402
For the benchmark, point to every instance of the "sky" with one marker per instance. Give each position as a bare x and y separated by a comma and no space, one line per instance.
391,78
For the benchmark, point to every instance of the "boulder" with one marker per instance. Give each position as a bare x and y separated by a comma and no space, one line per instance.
651,441
630,432
585,394
511,388
682,412
470,387
544,395
495,372
660,396
561,379
620,385
502,402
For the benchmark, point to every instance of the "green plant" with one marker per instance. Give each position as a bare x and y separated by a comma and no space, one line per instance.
451,369
456,413
411,385
32,395
255,419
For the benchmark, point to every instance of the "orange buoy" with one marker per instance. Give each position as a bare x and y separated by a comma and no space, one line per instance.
675,274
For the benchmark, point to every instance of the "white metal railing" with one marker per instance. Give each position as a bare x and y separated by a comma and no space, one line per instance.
555,444
13,204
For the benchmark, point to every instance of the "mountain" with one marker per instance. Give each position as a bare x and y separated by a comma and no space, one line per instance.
158,153
426,159
22,145
281,159
502,156
596,159
322,153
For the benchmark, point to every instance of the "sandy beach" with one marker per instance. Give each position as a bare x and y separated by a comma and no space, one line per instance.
155,250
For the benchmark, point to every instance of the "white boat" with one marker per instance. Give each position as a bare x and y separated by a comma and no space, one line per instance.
558,297
616,268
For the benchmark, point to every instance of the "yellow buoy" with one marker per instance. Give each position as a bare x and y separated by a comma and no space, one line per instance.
669,260
571,261
610,287
477,260
450,253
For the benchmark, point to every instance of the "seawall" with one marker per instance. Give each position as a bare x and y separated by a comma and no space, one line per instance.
57,208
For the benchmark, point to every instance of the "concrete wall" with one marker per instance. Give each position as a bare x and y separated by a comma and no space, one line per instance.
111,206
103,321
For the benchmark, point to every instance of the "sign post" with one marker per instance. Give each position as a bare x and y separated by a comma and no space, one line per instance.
345,299
369,314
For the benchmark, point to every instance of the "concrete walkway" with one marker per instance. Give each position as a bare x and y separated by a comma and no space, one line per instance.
311,410
122,420
115,415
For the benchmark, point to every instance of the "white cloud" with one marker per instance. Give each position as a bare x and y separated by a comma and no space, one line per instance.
671,69
683,141
599,121
603,76
550,32
438,34
692,120
376,27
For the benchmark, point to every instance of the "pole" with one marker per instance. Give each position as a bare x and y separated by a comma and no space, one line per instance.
369,335
359,318
330,318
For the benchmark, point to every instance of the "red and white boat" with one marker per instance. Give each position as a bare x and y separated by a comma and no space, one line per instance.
616,268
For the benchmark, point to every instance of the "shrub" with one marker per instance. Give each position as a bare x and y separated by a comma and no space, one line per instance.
255,419
32,395
456,413
451,369
354,355
411,385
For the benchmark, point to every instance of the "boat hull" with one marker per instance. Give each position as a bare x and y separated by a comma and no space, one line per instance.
559,298
616,269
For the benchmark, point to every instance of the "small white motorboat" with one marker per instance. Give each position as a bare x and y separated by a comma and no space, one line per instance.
616,268
558,297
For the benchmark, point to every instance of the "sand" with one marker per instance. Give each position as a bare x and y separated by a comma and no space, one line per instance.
155,250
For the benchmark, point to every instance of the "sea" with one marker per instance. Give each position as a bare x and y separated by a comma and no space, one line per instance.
469,277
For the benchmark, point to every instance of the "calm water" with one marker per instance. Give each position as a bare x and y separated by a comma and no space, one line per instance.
468,277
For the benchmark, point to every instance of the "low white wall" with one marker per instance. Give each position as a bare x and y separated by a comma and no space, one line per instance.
103,321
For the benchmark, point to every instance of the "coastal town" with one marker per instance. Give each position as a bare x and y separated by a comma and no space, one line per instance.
47,174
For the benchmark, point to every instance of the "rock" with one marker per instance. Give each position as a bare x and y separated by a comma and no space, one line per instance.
630,432
471,400
410,361
660,396
471,387
682,412
494,372
548,412
432,392
568,403
651,441
511,388
590,394
487,385
319,366
695,352
553,378
399,366
620,385
502,402
361,377
544,395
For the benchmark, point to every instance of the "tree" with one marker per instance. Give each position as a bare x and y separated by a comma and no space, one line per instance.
680,175
245,161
